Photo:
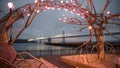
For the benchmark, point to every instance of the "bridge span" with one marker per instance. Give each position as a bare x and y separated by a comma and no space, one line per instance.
63,36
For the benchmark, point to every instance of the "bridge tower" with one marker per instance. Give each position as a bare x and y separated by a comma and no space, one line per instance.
63,36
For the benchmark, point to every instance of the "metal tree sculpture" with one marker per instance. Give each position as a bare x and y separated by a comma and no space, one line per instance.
97,23
30,11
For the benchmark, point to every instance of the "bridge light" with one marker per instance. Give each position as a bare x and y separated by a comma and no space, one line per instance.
31,40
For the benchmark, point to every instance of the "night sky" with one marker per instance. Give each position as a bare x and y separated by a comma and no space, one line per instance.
47,23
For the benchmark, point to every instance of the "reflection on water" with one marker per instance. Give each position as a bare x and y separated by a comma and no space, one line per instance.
39,50
35,46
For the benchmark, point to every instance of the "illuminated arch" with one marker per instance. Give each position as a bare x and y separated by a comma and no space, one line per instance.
86,9
39,7
31,10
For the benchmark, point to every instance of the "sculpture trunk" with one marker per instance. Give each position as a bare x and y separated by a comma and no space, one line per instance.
7,51
3,36
100,42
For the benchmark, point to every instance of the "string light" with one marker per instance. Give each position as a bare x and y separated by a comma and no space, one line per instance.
78,14
118,16
61,1
108,12
28,14
38,11
66,9
53,8
59,9
63,15
10,5
71,12
72,0
36,1
87,12
64,20
90,27
46,7
67,1
83,17
50,8
51,0
42,0
60,19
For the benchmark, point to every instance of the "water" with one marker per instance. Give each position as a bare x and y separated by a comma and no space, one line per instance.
36,46
39,50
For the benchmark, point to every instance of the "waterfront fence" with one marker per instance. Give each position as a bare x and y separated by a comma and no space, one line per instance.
51,52
58,52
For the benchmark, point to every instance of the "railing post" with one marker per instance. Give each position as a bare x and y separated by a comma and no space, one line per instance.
61,51
27,55
40,53
69,51
51,52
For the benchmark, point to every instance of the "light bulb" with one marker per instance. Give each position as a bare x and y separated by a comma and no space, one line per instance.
108,12
90,27
28,14
60,19
61,1
38,11
10,5
42,0
67,1
36,1
59,9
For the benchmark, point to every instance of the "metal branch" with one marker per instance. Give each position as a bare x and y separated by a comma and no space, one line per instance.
106,5
29,21
112,50
112,35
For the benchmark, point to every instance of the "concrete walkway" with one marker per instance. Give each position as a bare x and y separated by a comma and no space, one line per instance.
56,60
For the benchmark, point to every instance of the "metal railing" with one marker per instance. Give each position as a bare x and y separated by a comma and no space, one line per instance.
52,52
56,52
